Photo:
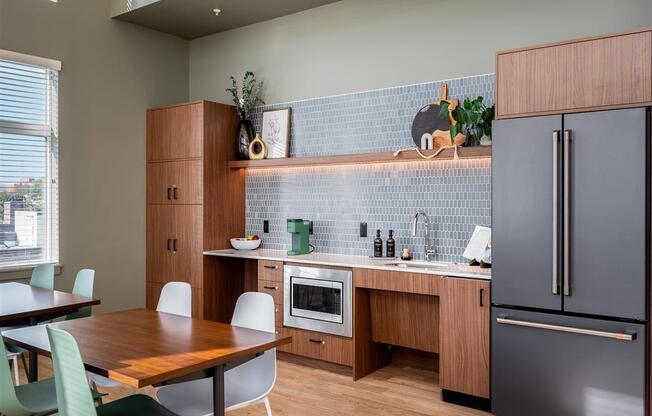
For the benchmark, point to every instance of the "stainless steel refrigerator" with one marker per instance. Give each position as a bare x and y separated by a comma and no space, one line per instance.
571,259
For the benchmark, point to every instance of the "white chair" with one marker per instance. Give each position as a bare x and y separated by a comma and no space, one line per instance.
176,298
13,357
247,384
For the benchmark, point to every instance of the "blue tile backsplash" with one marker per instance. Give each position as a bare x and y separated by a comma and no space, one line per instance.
455,194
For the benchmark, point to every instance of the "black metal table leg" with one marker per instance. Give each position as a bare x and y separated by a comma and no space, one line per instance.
32,371
218,390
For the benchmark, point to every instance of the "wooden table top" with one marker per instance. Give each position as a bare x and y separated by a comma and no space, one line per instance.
20,301
141,347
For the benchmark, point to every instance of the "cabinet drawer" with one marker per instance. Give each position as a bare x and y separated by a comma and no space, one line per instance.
324,347
177,182
175,132
610,71
270,270
272,288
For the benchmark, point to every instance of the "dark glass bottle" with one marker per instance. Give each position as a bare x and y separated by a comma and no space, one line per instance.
391,245
378,245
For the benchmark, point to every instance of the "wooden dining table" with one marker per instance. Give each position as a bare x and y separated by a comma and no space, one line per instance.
142,347
22,304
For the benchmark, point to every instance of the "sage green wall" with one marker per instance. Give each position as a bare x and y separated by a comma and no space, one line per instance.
112,72
356,45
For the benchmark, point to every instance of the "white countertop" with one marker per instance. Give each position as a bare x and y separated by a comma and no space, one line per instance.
437,268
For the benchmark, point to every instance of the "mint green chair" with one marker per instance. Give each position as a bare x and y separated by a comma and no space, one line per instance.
37,398
83,287
74,396
43,276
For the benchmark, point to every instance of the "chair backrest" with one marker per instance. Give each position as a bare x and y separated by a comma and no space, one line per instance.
43,276
176,298
254,379
255,310
83,287
9,403
73,394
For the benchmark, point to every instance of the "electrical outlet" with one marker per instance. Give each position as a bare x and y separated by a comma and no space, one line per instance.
363,229
310,227
266,226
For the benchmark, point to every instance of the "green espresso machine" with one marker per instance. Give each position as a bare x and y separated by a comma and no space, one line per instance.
300,231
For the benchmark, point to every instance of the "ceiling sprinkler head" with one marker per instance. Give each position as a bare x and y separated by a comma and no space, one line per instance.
217,11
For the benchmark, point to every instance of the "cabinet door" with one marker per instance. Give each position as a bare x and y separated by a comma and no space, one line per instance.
582,75
607,218
174,244
177,182
464,336
175,132
522,212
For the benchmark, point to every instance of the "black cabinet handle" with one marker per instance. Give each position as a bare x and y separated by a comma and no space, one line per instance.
174,245
174,192
169,241
481,297
169,190
271,287
317,341
270,267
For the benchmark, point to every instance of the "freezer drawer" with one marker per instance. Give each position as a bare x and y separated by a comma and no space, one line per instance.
545,364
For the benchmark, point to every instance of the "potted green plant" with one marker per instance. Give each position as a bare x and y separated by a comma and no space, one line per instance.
245,100
473,120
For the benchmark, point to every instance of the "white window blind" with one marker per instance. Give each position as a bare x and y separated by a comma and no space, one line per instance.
29,197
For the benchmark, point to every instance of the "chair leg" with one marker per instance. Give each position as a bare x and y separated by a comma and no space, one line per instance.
268,407
14,363
22,358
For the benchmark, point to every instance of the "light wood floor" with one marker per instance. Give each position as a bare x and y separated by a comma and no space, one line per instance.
308,390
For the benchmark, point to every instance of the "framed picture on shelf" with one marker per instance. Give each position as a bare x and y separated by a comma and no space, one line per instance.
276,132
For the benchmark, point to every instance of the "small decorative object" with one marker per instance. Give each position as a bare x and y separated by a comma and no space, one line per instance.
245,102
276,132
257,148
435,121
475,119
405,255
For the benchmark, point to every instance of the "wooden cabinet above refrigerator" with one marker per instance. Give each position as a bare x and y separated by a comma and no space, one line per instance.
598,73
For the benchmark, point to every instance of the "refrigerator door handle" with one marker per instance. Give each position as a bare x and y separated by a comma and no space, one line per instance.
567,207
555,212
621,336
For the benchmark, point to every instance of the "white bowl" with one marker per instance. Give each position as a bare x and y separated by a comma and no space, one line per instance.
244,244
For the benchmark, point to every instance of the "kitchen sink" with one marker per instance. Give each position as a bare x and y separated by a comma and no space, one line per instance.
418,265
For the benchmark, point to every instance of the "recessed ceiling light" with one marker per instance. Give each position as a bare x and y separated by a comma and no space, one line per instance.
217,11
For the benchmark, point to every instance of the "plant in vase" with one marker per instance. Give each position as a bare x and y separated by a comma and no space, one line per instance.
246,99
473,119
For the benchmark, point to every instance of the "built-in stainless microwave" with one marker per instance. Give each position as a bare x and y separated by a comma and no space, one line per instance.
318,299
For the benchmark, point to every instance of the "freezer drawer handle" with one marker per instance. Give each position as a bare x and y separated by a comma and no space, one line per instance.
622,336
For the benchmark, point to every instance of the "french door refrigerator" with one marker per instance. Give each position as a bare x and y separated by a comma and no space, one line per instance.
570,231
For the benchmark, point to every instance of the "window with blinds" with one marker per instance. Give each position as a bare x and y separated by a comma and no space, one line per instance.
29,219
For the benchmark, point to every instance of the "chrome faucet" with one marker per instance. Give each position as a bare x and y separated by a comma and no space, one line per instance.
429,250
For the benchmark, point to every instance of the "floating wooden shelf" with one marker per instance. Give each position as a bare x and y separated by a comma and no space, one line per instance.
475,152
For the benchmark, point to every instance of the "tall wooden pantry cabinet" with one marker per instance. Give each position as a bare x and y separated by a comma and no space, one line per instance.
194,201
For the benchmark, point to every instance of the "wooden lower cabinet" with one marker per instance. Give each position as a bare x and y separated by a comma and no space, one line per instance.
320,346
464,340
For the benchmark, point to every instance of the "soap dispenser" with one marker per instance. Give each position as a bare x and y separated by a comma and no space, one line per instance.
378,245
